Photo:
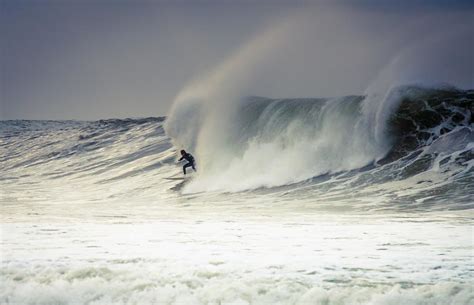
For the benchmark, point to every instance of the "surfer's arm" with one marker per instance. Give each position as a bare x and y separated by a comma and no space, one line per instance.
181,159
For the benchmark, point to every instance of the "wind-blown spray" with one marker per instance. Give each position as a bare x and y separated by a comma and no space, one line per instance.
246,143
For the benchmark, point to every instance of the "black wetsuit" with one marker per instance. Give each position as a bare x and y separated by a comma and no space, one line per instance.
188,157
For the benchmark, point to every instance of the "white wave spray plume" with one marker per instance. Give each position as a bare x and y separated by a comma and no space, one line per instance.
242,144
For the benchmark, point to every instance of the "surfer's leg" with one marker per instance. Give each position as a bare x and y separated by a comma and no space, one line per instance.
194,168
184,167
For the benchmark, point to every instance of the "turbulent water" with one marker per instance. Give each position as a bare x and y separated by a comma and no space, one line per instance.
318,147
296,201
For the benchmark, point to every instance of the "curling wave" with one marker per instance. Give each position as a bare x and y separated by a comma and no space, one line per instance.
273,142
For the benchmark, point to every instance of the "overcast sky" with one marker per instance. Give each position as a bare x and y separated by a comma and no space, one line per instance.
89,59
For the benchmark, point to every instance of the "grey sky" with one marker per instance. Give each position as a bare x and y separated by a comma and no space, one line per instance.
100,59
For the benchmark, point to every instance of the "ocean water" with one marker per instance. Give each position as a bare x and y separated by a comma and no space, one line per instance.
296,201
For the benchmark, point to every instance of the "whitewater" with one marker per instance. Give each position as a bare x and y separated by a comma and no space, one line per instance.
296,201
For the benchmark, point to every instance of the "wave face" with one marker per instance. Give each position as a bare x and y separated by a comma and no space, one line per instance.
329,149
269,143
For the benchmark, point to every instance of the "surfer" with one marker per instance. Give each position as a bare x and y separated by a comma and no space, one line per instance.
188,157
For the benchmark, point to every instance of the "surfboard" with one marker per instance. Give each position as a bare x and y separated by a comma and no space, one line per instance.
182,182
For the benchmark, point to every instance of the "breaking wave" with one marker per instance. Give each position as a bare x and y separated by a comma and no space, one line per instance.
325,148
274,142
